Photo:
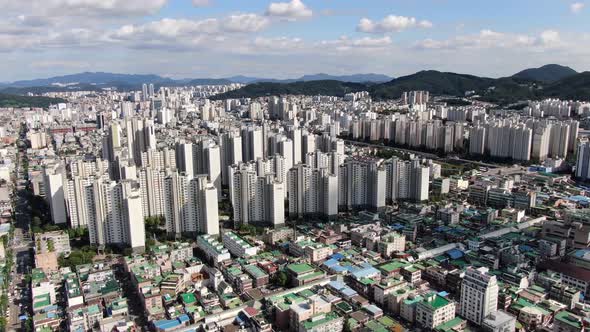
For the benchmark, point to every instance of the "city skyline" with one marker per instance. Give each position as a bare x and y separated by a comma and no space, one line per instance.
180,38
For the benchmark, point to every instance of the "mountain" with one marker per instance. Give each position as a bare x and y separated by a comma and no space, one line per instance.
356,78
504,90
208,81
93,78
436,82
311,88
546,74
576,87
7,100
89,81
248,79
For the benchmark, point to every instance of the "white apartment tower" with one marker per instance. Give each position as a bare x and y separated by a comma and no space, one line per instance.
231,153
54,193
252,143
312,192
479,295
406,180
114,214
583,160
361,184
477,136
190,205
256,199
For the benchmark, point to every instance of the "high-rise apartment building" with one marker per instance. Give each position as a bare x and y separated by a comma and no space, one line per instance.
312,192
479,295
54,193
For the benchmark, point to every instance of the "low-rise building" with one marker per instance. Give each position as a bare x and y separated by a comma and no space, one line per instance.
434,310
213,249
237,246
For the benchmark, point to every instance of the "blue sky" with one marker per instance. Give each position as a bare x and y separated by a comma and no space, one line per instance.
289,38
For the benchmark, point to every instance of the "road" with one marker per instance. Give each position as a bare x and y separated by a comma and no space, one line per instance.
22,245
423,154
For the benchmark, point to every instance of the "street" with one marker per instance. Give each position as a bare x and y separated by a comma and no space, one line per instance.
22,245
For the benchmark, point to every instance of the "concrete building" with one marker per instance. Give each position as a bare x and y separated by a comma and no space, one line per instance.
237,246
434,310
212,248
54,193
479,295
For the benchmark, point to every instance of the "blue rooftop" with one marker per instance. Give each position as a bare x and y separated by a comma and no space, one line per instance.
166,324
455,253
337,256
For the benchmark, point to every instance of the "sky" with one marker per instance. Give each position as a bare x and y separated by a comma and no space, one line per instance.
289,38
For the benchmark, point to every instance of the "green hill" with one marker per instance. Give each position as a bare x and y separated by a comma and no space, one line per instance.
437,83
8,100
506,90
546,74
575,87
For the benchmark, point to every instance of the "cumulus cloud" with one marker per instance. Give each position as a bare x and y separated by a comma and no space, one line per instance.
185,34
577,7
178,28
293,9
391,23
550,37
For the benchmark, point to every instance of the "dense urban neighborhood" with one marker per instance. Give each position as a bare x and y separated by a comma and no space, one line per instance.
167,208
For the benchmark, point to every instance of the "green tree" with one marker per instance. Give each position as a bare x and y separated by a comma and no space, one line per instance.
281,279
29,327
77,257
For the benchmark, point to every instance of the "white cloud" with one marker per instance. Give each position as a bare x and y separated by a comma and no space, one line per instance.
185,34
391,23
285,43
577,7
292,9
245,23
201,3
86,7
170,28
487,39
550,37
345,43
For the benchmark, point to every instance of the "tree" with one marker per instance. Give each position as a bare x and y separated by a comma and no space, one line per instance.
281,279
29,327
77,257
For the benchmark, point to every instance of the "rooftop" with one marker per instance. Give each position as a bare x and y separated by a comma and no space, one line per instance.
300,268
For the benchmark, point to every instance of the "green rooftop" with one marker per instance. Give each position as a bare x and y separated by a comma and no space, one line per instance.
300,268
392,266
436,302
375,326
41,301
320,320
188,298
450,325
255,271
569,319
